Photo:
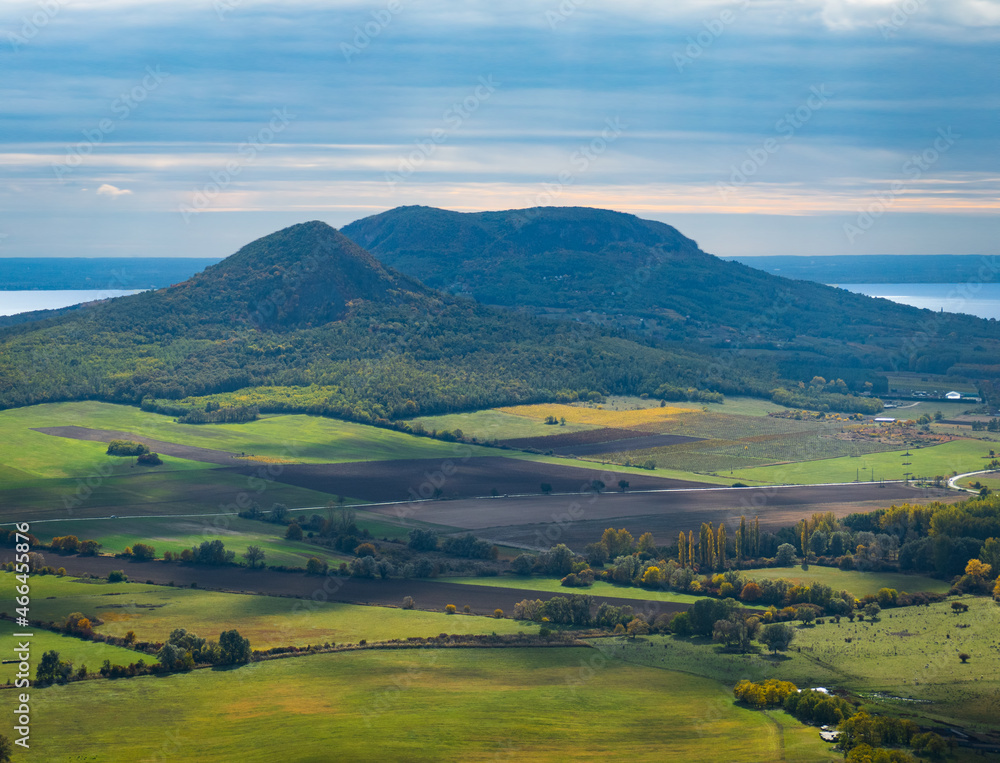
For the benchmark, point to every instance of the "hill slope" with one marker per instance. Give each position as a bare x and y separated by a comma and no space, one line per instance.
617,270
306,320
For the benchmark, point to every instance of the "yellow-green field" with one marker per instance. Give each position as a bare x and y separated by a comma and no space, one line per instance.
906,663
948,458
858,583
568,704
268,621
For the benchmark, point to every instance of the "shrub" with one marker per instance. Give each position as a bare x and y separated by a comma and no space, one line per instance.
451,609
149,459
117,576
408,602
498,613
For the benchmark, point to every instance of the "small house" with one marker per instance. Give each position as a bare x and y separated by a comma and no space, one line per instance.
953,395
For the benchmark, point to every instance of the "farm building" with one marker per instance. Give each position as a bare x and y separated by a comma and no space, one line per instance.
953,395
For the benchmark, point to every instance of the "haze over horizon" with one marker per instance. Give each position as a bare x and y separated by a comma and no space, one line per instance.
190,129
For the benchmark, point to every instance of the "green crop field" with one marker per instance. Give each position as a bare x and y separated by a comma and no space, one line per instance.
929,383
178,533
719,455
79,652
906,663
957,456
268,621
534,585
300,438
201,491
858,583
472,705
496,425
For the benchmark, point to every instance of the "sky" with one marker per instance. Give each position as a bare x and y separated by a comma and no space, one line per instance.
805,127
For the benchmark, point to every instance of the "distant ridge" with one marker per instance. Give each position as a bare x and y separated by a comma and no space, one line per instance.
29,273
882,268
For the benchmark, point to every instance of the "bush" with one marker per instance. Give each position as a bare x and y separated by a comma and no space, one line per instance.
149,459
408,602
117,576
451,609
498,613
126,448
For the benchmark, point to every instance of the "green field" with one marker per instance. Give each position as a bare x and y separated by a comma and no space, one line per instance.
496,425
79,652
909,654
299,438
268,621
600,588
858,583
178,533
416,705
958,456
929,383
200,491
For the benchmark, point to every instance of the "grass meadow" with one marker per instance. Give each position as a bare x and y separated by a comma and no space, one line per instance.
268,621
906,663
568,704
79,652
858,583
533,585
957,456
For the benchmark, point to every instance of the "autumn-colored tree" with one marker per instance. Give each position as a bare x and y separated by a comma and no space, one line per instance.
978,569
721,547
451,609
682,550
751,592
294,532
637,627
652,577
647,546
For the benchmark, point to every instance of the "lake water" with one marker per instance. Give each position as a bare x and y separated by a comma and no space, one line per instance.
982,300
979,299
13,302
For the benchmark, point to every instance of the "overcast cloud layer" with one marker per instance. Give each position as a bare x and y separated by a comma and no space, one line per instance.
772,127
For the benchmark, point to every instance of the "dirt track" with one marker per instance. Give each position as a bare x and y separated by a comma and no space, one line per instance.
428,594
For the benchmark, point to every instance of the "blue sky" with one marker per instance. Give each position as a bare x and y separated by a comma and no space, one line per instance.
766,127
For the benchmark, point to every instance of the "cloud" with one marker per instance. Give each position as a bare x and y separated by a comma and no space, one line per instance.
107,189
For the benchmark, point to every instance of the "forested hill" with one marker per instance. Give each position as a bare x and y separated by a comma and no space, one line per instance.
621,271
306,320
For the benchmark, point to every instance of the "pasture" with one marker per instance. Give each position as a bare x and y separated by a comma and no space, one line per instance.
535,585
268,621
905,664
497,425
79,652
298,438
855,582
416,705
958,456
178,533
150,493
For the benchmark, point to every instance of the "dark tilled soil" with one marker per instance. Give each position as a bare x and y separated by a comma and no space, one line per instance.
427,594
620,446
456,477
576,520
586,437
